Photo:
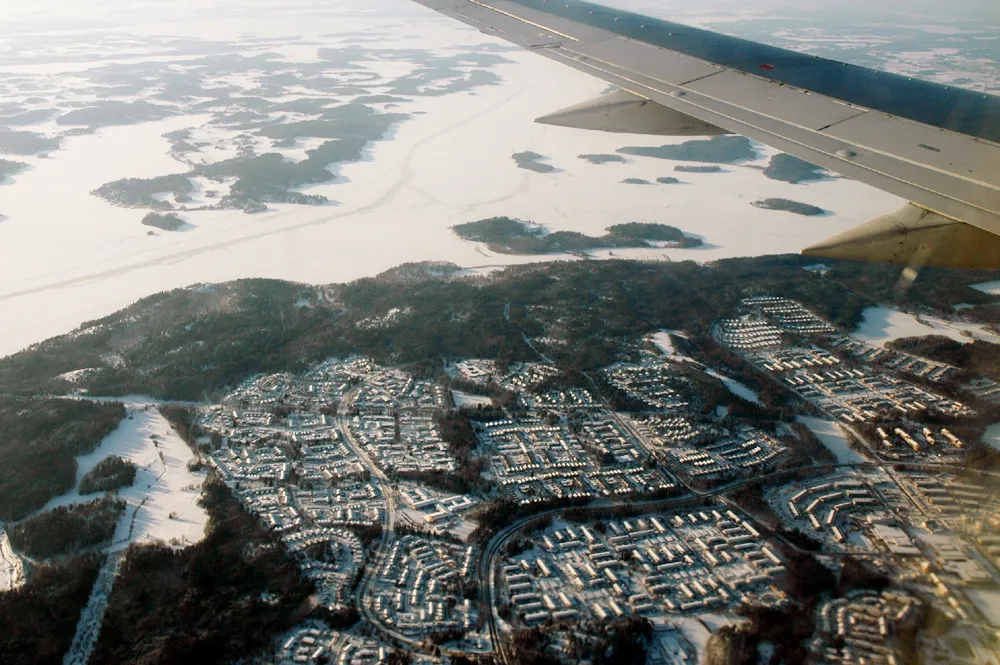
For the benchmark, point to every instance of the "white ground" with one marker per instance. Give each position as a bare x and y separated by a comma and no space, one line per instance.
735,387
833,438
992,288
663,342
884,324
666,345
163,485
986,601
991,436
66,256
465,399
11,568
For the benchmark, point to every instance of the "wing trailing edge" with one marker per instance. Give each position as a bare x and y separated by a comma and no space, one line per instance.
627,113
914,236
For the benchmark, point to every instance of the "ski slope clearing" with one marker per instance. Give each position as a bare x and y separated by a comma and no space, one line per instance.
163,501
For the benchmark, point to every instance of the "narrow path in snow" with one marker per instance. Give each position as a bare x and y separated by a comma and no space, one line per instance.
89,627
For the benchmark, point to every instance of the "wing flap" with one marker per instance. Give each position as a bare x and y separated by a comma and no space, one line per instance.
788,104
913,236
626,113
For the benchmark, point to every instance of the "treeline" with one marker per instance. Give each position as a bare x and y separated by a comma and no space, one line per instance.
498,513
618,642
38,621
191,343
808,582
41,440
183,421
110,474
978,357
67,530
514,236
217,601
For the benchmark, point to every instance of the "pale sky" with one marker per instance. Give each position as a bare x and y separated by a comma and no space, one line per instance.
99,11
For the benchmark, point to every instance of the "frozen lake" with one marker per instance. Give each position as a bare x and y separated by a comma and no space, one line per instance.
67,257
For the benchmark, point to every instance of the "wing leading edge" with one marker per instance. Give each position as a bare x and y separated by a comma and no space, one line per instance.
936,146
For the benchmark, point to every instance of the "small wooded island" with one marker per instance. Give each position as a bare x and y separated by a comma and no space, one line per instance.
786,205
506,235
9,168
164,221
532,161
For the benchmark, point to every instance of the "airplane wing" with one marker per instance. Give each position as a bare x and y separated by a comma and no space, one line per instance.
934,145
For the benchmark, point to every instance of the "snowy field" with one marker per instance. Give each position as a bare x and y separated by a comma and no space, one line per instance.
11,568
831,436
465,399
987,601
67,256
163,501
884,324
991,436
663,342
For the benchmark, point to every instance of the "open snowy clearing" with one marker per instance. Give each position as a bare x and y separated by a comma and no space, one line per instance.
991,288
163,487
11,568
831,436
991,436
987,601
465,399
884,324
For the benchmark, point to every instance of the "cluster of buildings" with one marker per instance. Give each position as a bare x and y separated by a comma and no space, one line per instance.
418,589
895,361
865,627
787,315
656,383
852,392
306,646
331,558
738,454
388,390
402,442
830,507
908,439
518,377
318,645
438,511
533,461
749,332
559,400
687,562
